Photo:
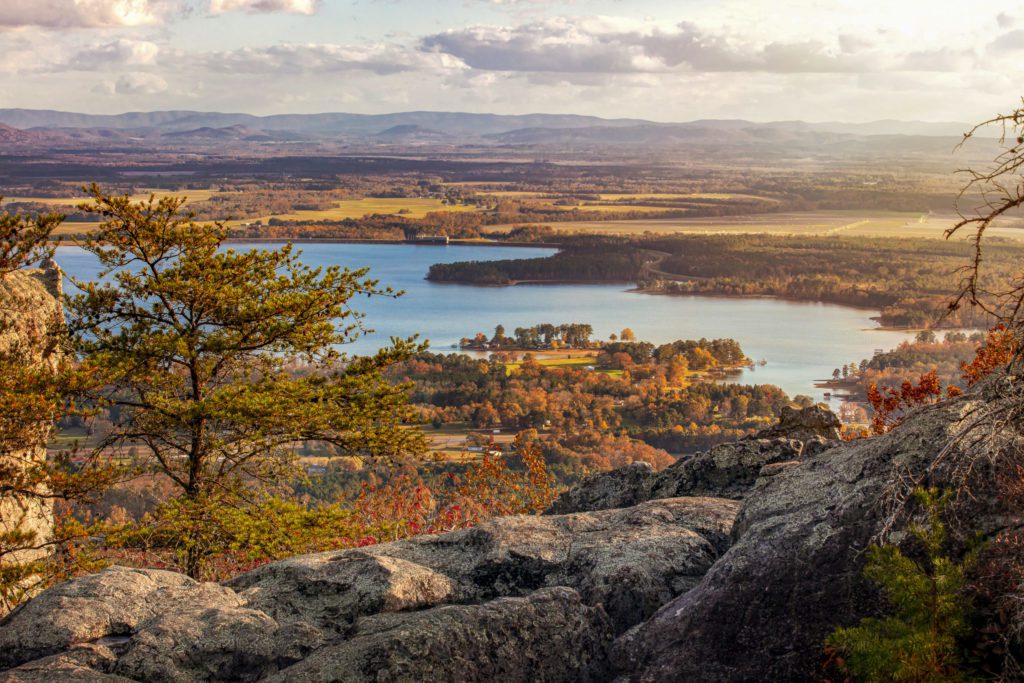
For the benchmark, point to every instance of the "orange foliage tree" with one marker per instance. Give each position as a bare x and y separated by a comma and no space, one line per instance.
490,487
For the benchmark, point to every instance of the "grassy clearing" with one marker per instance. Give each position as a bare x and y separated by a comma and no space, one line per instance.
449,443
559,362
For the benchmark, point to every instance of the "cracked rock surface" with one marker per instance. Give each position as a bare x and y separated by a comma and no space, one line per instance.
514,599
730,565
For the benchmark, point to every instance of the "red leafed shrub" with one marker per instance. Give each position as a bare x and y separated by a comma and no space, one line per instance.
890,404
402,508
238,539
490,487
999,348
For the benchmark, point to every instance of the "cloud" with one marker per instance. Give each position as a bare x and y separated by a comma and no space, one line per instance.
28,51
80,13
104,88
732,58
1008,42
567,45
1004,20
119,53
292,6
140,83
851,43
381,59
941,59
555,45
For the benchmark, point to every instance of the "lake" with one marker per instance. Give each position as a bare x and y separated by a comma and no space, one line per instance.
801,342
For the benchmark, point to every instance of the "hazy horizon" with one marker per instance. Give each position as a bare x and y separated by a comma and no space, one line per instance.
669,62
127,112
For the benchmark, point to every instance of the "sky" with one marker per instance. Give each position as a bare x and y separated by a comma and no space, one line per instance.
663,60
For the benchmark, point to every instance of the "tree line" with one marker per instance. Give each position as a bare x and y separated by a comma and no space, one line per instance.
910,280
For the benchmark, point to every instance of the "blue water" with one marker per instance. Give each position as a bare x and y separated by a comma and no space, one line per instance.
801,342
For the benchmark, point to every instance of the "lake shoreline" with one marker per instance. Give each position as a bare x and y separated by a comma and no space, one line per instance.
72,241
828,334
453,242
776,297
703,295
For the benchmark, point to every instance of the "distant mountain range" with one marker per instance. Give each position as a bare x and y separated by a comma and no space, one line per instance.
449,123
436,126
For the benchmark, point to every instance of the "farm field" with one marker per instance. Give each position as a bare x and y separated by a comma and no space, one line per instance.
413,207
615,208
450,443
70,203
620,201
65,229
847,223
663,196
410,207
192,196
621,196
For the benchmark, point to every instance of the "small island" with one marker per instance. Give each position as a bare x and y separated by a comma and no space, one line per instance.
556,344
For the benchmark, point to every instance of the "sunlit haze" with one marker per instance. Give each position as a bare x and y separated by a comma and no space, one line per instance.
669,61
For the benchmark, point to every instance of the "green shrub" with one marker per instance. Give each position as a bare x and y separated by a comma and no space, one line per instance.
918,642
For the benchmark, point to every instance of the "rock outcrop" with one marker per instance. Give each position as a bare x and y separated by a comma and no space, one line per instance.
813,423
725,471
550,635
109,604
620,488
795,572
31,322
741,584
514,598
